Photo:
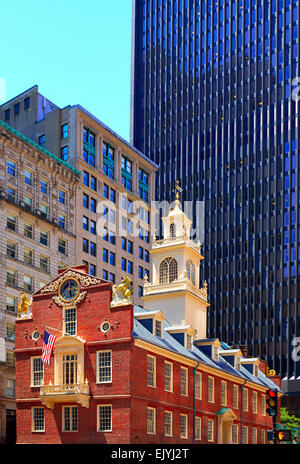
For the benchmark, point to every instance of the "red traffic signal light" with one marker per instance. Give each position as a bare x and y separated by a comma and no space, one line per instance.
272,403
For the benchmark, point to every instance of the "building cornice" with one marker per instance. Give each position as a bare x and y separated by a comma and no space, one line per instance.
199,365
37,147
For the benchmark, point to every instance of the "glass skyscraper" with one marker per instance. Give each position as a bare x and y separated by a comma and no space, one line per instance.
214,106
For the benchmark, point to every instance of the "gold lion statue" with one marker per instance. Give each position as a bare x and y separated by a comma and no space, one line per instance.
124,287
24,305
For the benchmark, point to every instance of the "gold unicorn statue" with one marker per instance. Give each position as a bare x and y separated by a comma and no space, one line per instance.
24,305
125,287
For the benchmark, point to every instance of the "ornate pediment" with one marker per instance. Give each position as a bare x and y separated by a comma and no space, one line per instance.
85,281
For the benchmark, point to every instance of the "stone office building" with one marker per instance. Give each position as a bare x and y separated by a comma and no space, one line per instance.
37,229
116,187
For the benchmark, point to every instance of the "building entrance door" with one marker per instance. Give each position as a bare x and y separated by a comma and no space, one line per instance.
226,432
225,420
10,427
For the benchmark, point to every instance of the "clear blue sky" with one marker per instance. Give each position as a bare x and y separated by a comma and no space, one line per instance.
76,52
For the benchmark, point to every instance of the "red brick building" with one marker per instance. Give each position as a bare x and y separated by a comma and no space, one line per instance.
124,374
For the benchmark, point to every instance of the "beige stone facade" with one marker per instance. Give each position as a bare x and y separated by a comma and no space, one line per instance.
62,132
37,229
122,238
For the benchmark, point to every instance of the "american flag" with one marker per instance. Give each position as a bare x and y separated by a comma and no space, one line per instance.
47,347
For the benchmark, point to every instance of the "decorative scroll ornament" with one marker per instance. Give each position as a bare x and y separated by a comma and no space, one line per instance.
60,302
270,372
85,281
24,307
125,287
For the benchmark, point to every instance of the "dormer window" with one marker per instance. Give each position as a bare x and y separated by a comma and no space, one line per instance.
210,347
215,353
252,365
232,356
189,342
158,328
183,334
152,321
190,271
172,230
237,363
168,271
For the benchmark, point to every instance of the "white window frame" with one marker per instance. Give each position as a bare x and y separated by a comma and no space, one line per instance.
215,353
99,406
170,415
157,328
32,371
71,407
245,435
254,436
263,405
235,396
64,319
245,404
98,368
223,393
210,430
188,342
198,386
153,373
171,376
184,381
198,428
184,434
236,428
254,402
151,430
33,429
211,389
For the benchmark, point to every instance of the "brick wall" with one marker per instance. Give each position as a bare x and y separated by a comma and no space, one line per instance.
128,393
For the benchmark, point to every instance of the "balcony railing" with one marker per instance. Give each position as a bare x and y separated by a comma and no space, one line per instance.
51,394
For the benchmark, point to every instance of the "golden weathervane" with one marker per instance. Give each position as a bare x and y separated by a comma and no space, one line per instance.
178,189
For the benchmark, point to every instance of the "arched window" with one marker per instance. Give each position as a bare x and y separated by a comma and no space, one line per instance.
173,270
168,271
172,230
190,271
163,272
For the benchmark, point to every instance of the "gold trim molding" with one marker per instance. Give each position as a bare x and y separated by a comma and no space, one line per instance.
85,281
61,302
200,367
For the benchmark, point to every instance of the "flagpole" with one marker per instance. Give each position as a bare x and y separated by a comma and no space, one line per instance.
52,328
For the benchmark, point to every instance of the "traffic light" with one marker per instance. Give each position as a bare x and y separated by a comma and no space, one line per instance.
272,403
284,435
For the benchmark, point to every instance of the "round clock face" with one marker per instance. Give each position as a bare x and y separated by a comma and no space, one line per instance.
69,290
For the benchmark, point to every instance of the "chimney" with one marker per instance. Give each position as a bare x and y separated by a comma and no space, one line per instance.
244,350
263,366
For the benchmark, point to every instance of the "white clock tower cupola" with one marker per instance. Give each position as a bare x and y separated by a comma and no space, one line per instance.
175,274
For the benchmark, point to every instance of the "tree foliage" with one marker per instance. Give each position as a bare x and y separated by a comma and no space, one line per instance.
289,421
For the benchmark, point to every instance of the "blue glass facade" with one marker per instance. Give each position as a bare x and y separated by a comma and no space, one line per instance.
212,106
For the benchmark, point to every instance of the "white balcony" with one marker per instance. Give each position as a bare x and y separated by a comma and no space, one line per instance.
68,393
